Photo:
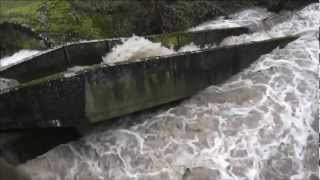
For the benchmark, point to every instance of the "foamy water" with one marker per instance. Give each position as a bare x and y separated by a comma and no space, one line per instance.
7,83
73,71
242,18
17,57
262,124
136,48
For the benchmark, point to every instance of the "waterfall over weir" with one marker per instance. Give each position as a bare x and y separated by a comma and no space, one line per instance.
260,124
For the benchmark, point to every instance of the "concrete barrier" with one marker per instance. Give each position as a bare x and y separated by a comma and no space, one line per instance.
103,92
89,53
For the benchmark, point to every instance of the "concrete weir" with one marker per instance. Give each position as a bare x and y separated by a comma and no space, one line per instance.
102,92
89,53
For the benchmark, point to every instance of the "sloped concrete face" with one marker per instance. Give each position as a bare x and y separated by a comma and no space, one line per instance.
103,92
90,53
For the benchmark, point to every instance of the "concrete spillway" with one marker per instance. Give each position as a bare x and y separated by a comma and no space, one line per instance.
102,92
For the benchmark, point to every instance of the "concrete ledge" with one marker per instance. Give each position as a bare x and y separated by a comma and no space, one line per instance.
91,52
103,92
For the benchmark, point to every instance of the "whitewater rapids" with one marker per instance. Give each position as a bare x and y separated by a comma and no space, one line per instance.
136,48
261,124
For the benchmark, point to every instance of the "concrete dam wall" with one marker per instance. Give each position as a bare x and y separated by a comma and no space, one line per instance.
102,92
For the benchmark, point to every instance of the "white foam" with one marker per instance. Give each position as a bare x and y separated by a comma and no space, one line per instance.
304,21
239,19
17,57
189,47
74,70
135,48
7,83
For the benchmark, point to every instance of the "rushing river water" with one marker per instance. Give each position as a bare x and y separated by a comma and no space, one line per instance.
261,124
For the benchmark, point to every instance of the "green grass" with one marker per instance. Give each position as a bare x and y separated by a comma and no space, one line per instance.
57,18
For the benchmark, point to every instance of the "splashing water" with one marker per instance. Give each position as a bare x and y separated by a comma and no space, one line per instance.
259,125
73,71
17,57
192,47
303,21
135,48
243,18
7,83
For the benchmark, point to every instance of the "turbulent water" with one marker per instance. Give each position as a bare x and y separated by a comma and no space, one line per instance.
17,57
300,22
262,124
7,83
136,48
243,18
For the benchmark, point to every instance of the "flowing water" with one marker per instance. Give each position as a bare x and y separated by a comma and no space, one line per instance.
243,18
136,48
17,57
7,83
261,124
